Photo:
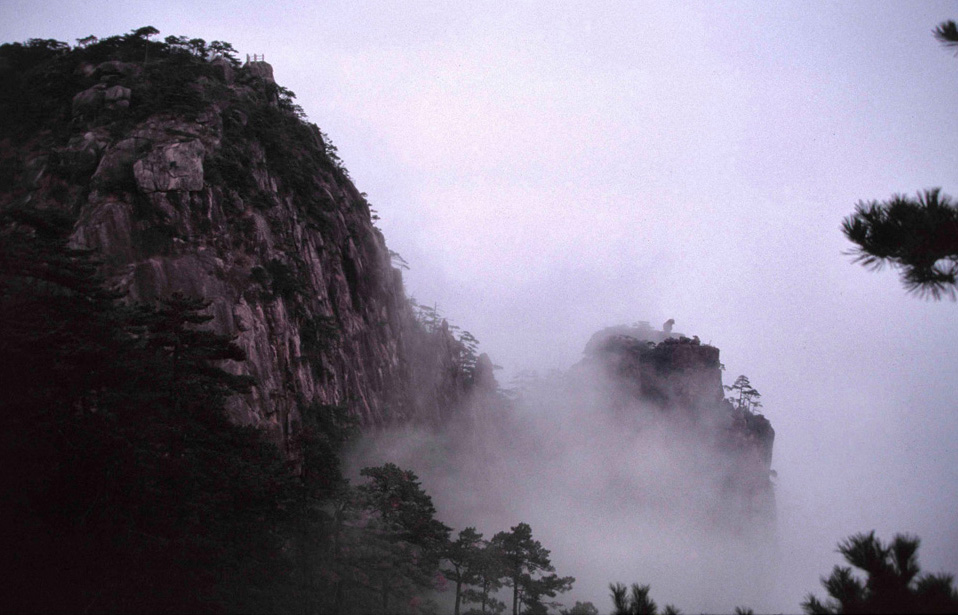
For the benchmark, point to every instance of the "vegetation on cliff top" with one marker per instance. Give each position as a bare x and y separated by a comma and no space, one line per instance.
50,91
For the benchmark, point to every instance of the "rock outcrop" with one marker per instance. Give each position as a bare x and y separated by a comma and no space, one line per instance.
681,379
200,177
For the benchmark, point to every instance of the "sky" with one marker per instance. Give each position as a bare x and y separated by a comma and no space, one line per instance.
549,169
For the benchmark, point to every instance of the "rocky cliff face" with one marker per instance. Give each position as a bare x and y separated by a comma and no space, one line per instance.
201,177
682,379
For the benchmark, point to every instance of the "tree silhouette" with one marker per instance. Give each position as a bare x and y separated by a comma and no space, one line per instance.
525,562
947,33
489,570
534,590
918,235
744,396
893,583
463,556
581,608
191,352
634,602
411,540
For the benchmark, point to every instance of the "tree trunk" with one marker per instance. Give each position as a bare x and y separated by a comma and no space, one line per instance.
458,595
337,559
515,596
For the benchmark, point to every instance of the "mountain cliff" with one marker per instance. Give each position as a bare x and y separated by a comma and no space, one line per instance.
188,172
241,288
681,379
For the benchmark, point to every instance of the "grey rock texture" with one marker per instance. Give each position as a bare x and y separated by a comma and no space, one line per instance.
175,166
263,70
227,195
682,379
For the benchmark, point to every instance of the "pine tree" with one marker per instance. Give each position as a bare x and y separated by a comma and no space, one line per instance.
525,561
409,540
893,581
918,235
463,556
744,396
489,571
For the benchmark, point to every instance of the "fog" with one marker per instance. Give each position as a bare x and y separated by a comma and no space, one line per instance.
617,492
549,170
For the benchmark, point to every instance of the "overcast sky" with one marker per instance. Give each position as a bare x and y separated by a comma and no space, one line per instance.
548,169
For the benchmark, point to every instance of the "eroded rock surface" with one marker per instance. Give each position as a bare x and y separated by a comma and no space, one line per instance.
223,193
679,379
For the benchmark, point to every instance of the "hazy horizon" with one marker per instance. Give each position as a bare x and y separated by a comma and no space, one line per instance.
550,171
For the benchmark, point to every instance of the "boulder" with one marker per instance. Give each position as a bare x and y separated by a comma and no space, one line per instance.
223,70
116,167
117,98
82,153
116,68
88,102
116,94
263,70
176,166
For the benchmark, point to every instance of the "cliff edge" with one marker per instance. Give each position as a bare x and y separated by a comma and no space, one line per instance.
680,379
188,172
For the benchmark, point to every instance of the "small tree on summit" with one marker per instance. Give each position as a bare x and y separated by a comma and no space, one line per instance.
146,32
744,396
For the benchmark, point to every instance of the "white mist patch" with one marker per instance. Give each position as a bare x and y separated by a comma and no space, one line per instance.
618,495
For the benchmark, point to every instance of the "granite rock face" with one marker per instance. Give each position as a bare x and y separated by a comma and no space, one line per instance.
175,166
213,187
201,177
681,379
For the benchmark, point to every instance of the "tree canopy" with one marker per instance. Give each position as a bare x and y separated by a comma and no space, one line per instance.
636,601
744,395
526,563
917,235
893,581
